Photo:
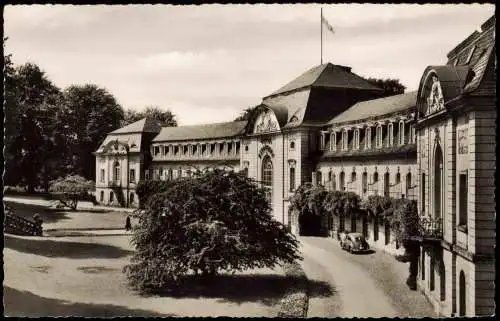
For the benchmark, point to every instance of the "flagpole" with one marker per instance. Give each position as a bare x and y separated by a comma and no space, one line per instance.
321,23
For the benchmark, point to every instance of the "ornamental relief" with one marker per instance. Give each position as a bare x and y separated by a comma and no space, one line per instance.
266,123
435,101
463,136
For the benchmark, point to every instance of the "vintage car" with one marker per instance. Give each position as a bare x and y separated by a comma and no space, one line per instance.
354,242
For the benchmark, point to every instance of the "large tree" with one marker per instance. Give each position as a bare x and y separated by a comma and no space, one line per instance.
390,86
245,114
92,113
165,116
211,222
31,140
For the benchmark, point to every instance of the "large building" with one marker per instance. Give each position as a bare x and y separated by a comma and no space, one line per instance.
331,126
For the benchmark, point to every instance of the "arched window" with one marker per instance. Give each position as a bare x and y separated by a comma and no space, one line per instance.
353,176
438,182
386,184
319,178
462,310
375,183
131,198
334,182
408,184
102,196
111,197
342,181
267,174
267,171
398,178
116,171
292,145
364,182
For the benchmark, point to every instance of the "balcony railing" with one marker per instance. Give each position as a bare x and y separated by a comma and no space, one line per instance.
430,230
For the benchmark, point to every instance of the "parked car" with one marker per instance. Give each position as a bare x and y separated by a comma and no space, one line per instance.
354,242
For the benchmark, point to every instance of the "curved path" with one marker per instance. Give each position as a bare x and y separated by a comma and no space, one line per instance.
364,285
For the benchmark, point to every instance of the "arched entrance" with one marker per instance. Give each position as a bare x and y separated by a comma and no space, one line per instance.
309,224
438,182
461,295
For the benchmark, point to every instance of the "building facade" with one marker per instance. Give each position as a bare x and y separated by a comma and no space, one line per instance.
330,126
456,139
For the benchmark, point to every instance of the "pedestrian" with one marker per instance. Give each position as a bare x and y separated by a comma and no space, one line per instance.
128,225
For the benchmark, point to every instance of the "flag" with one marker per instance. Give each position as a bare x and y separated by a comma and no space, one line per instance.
327,24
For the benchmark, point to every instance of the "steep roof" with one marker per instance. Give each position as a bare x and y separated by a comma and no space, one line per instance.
377,107
145,125
327,75
204,131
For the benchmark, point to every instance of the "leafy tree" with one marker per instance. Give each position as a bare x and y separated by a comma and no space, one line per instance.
390,86
31,140
245,115
71,189
146,189
165,116
210,222
92,113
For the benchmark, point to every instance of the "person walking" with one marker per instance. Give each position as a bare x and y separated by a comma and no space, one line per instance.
128,225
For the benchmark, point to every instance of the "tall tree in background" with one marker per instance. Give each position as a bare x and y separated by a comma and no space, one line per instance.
390,86
245,115
92,113
31,144
155,112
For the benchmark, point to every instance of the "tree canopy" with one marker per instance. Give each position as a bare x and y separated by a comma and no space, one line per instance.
210,222
390,86
165,116
71,189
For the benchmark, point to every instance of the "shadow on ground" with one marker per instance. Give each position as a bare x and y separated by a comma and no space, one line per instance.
267,289
48,214
26,304
368,252
73,250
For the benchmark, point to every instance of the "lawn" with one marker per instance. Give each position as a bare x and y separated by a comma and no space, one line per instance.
83,276
66,219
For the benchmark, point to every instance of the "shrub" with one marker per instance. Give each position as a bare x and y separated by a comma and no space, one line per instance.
148,188
71,189
214,221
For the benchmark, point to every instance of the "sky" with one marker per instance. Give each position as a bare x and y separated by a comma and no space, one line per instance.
208,63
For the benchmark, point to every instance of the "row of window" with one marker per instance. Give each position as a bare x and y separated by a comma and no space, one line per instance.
358,138
117,174
131,199
331,182
208,149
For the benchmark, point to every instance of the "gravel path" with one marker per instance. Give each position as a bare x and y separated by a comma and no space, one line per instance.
365,285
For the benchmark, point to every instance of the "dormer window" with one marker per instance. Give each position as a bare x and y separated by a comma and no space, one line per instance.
401,133
379,136
368,138
356,139
390,134
471,53
345,139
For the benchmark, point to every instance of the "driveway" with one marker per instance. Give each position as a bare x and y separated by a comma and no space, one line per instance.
364,285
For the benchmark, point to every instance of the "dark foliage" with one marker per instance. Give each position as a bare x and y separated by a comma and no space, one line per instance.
211,222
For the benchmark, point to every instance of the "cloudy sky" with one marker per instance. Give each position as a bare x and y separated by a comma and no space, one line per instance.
207,63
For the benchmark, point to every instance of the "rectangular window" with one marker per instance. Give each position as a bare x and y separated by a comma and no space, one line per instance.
132,175
157,150
102,175
462,200
292,179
